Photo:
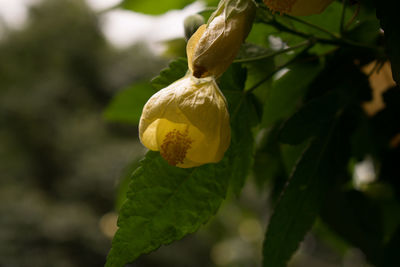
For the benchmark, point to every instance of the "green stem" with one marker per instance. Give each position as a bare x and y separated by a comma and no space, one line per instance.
313,26
337,41
269,55
266,78
342,17
355,14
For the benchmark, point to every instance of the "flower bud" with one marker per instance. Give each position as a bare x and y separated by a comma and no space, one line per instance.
214,46
298,7
191,24
187,122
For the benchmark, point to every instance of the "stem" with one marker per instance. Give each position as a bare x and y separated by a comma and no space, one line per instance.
355,14
313,26
336,41
342,17
266,78
269,55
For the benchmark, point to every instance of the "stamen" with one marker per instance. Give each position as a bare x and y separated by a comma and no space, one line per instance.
175,146
281,6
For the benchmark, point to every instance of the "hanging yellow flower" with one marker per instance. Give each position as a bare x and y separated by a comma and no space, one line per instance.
298,7
214,46
187,122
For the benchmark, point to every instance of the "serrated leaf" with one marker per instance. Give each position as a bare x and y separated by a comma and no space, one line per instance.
243,118
386,11
175,70
127,105
242,144
164,204
299,204
286,92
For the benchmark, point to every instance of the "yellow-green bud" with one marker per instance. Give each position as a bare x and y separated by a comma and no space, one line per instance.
215,45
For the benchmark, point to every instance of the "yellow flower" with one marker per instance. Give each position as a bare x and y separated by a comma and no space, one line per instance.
298,7
187,122
214,46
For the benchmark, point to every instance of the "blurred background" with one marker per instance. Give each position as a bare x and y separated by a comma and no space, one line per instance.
62,163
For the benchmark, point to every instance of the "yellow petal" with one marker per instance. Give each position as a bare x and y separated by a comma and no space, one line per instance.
187,122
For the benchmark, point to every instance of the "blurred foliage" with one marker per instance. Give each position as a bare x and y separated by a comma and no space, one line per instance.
60,161
313,122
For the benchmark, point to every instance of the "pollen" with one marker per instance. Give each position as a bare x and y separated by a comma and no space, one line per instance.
281,6
175,146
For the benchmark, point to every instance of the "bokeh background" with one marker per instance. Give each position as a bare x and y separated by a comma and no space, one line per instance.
64,167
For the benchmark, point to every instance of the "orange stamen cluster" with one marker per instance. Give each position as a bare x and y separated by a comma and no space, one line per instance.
175,146
281,6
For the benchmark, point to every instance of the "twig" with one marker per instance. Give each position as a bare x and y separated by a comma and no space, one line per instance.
269,55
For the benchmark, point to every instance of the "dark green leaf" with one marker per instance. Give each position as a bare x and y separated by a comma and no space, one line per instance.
309,120
127,105
243,119
387,13
391,251
362,226
299,203
164,204
286,92
176,70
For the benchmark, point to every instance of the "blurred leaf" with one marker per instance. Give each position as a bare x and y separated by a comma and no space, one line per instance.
269,165
248,50
365,32
127,105
175,48
299,203
362,225
285,92
154,7
391,251
176,70
164,204
386,11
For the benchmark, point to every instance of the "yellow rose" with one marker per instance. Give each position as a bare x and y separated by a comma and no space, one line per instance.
298,7
187,122
214,46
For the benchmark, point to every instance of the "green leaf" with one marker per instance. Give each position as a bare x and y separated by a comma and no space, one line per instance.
299,203
154,7
243,118
386,11
311,119
391,251
164,204
127,105
286,92
362,226
176,70
242,144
